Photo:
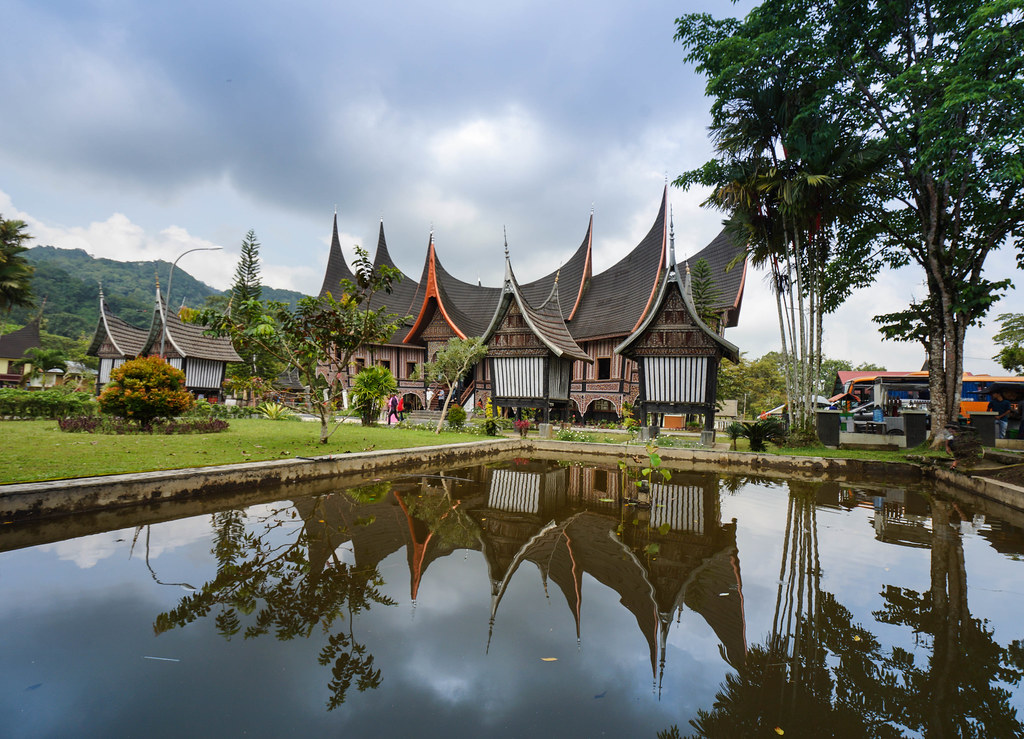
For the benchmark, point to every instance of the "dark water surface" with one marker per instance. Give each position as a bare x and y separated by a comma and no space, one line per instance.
525,599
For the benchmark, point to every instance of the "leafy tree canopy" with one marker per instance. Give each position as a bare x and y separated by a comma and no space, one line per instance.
15,271
451,363
928,90
320,337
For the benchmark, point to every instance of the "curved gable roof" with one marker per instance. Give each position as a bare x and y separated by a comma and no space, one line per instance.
466,308
574,274
128,340
673,281
337,268
546,322
188,340
618,299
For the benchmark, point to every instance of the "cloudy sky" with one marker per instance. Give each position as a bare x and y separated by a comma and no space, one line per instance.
139,130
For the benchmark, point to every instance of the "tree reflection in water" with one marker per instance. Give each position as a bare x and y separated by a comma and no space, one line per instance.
291,585
819,674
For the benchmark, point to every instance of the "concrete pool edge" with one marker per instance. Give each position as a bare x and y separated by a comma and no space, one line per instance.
29,501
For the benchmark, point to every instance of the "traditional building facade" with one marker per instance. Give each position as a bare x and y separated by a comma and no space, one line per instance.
676,354
597,313
203,359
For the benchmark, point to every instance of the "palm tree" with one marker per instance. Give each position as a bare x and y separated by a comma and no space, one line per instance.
15,271
43,360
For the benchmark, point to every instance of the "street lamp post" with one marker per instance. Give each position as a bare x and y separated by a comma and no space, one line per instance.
170,279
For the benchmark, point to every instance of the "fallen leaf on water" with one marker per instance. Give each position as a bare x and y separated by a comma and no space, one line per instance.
549,659
606,500
856,638
779,731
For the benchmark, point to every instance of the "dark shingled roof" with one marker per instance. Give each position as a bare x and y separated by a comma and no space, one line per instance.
337,268
468,308
674,281
187,339
15,344
729,283
405,296
127,339
610,304
618,298
546,322
572,276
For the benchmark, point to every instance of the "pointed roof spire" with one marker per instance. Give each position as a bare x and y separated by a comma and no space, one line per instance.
671,240
337,268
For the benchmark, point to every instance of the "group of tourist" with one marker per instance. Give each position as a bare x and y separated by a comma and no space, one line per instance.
395,409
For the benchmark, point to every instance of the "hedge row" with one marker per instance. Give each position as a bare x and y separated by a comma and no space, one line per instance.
56,403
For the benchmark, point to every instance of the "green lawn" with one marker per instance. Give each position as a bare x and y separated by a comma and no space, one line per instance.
38,450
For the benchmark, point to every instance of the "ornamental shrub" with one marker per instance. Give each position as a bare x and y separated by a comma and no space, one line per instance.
52,403
456,416
370,390
145,388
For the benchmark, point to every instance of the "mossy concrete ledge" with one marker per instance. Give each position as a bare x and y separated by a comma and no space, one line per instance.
261,481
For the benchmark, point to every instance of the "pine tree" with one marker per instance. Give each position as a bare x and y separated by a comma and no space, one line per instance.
705,294
246,296
247,274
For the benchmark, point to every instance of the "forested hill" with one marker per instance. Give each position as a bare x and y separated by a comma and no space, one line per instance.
69,281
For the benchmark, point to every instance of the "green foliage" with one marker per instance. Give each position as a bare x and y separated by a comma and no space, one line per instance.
45,359
246,294
934,88
451,363
370,390
763,431
247,284
735,431
456,416
54,403
705,294
146,388
758,385
15,271
120,426
1011,338
274,411
320,337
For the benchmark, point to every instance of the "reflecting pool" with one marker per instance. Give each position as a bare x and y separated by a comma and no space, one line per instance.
527,598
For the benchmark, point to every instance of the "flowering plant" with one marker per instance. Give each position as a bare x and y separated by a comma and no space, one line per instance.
522,426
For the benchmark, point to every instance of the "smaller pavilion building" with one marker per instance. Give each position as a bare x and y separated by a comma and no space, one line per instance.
530,352
677,355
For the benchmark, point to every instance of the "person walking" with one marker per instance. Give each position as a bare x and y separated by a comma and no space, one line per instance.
392,409
401,408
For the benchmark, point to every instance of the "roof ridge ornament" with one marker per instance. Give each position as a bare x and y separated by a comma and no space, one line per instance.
671,240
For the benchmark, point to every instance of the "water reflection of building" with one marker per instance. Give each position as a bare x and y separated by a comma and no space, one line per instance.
566,521
898,516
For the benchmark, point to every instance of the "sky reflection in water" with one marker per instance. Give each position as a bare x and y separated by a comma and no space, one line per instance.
524,599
